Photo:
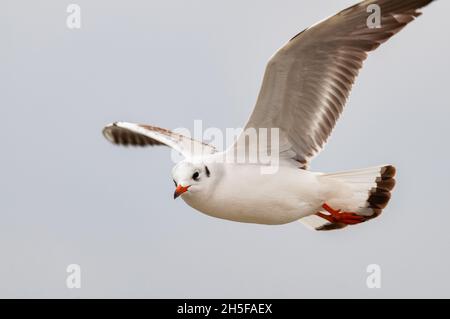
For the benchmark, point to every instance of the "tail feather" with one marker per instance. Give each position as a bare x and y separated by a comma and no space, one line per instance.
380,196
369,192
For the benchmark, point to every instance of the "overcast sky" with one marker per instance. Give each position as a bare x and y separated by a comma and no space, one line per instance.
70,197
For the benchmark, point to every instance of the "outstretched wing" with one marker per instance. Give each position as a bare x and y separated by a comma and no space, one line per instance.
307,82
122,133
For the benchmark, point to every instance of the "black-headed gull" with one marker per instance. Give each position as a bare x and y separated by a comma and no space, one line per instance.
305,87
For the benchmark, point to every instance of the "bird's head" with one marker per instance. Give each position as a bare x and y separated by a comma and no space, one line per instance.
192,177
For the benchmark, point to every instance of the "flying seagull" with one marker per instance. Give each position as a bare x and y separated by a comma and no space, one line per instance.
304,90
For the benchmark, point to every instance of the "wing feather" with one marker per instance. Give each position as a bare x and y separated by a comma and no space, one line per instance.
130,134
308,81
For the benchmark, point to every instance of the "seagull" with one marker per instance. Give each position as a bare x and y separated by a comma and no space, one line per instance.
305,87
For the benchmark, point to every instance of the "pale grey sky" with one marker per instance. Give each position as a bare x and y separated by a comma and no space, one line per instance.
68,196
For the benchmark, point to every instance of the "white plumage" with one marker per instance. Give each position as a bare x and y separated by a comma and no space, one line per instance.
305,87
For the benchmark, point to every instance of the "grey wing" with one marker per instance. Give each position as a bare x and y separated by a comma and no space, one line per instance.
122,133
307,82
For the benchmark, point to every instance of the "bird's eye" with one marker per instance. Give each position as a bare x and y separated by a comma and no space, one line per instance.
196,176
175,183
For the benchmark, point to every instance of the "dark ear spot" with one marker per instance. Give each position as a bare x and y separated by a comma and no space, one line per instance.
208,173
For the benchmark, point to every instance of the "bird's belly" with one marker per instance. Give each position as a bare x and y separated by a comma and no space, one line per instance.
261,208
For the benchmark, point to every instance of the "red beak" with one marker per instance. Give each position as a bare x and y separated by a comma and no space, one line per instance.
180,190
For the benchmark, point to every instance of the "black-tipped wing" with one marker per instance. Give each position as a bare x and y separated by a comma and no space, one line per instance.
307,82
122,133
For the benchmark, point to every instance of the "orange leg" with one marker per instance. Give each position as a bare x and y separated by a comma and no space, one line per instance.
336,216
